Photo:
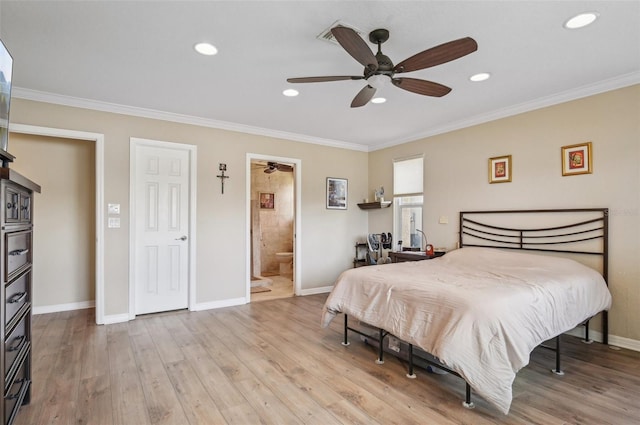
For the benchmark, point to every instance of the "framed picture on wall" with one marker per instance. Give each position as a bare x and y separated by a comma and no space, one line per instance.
267,201
500,169
577,159
336,193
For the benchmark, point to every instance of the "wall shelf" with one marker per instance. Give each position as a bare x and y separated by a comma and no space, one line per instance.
374,205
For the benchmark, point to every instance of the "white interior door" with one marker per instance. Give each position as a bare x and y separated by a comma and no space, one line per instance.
161,214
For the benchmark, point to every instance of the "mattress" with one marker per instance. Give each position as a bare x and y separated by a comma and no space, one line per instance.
480,311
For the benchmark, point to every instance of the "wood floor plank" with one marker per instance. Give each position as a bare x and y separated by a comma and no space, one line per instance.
198,406
269,408
127,396
94,404
160,397
221,390
271,362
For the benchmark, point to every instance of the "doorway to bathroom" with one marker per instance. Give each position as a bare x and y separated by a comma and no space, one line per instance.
272,227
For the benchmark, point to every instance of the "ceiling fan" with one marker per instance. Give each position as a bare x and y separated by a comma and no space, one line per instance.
272,167
379,66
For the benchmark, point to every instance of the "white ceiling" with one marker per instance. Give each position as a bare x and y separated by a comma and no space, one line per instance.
137,57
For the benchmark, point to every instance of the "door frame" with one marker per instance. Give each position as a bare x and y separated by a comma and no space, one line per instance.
193,157
98,139
297,234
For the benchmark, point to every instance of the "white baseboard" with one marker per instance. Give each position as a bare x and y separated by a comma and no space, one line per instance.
614,340
115,318
314,291
219,304
63,307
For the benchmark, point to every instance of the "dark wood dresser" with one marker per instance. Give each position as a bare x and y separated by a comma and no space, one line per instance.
16,239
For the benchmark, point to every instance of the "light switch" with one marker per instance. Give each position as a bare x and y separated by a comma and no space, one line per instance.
114,209
114,222
444,219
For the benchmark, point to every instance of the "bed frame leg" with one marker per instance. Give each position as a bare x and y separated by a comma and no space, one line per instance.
586,339
346,329
467,398
411,374
380,359
558,370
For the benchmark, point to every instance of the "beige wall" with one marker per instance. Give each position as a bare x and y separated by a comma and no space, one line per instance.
456,178
220,268
64,248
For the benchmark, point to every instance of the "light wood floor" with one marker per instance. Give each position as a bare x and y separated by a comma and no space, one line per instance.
271,363
281,287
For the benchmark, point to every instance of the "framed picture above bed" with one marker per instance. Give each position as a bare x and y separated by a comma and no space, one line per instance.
577,159
500,169
336,193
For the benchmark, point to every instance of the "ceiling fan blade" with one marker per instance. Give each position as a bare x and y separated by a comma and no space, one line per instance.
355,46
323,79
424,87
284,168
363,97
438,55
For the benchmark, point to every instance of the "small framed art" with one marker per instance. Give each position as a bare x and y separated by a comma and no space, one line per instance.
577,159
500,169
336,193
267,201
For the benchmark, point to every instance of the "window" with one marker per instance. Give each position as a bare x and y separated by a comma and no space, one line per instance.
408,176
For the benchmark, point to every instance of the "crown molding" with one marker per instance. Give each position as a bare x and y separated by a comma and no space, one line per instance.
618,82
76,102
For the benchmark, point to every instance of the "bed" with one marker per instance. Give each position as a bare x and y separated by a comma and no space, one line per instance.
478,310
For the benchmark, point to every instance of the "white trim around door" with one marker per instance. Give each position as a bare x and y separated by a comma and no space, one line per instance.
99,170
297,235
193,173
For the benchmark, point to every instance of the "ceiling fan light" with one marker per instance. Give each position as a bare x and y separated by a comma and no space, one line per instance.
206,49
481,76
378,100
290,92
581,20
378,81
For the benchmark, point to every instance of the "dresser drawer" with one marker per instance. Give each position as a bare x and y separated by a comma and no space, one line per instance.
16,295
18,252
11,204
16,343
16,393
17,205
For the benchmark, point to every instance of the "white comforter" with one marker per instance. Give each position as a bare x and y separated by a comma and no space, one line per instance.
480,311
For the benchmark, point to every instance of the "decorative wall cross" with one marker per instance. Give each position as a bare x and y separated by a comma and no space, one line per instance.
221,176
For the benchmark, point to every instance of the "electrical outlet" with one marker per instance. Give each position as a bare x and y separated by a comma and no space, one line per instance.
114,222
444,219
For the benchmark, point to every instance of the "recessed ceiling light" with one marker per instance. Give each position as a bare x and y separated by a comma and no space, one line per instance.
206,49
581,20
482,76
378,100
290,92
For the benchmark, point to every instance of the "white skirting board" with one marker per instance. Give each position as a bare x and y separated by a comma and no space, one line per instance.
615,341
314,291
63,307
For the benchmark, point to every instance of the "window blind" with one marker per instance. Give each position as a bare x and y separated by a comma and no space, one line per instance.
408,176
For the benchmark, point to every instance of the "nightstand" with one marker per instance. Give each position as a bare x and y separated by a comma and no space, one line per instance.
401,257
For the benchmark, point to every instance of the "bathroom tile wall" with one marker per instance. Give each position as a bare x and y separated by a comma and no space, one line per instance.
275,225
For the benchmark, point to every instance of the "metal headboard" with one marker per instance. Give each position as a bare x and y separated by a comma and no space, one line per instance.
580,231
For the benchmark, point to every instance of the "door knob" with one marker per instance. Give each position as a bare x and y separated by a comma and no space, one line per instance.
182,238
